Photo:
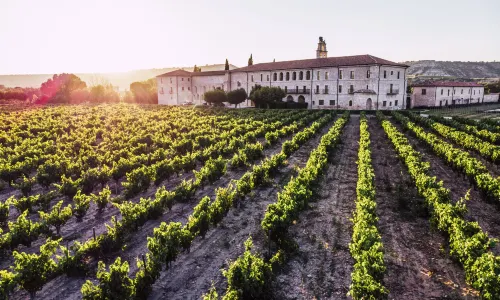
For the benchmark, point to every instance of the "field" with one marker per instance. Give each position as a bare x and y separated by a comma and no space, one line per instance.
148,202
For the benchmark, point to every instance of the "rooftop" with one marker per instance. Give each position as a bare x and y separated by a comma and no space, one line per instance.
342,61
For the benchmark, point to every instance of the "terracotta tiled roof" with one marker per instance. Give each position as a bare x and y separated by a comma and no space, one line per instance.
208,73
343,61
320,63
179,72
447,84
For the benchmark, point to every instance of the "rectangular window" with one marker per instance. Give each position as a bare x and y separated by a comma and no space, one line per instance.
326,89
398,74
189,79
314,102
296,88
392,72
390,89
161,90
321,102
340,89
448,92
474,92
442,91
424,92
189,88
390,103
351,89
182,79
462,91
267,77
252,78
317,89
261,77
395,102
384,103
170,80
368,74
385,74
367,86
341,74
317,75
352,74
171,90
182,88
332,102
326,75
304,89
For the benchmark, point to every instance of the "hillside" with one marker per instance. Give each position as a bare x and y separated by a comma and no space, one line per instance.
459,69
120,79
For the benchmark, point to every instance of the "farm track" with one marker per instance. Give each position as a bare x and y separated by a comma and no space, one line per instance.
478,208
416,268
191,274
322,267
69,287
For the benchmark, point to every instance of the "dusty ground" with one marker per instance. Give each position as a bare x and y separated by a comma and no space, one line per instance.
69,287
322,267
417,268
191,274
479,209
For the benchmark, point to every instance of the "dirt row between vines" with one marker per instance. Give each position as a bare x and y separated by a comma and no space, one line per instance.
417,266
321,269
69,287
191,274
478,208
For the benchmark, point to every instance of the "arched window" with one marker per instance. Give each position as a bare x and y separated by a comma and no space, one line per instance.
275,77
294,76
301,75
287,76
281,76
308,75
350,102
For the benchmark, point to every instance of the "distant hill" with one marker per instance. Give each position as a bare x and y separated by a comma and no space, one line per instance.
458,69
120,79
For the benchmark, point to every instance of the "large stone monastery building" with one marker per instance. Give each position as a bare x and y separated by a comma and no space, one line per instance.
347,82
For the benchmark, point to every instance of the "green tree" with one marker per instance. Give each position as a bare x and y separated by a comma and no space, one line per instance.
145,91
226,66
262,96
237,96
250,60
215,97
58,89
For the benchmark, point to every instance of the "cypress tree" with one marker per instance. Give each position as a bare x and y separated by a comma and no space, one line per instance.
250,60
226,67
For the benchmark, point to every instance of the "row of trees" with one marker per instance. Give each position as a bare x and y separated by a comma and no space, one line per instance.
263,97
70,89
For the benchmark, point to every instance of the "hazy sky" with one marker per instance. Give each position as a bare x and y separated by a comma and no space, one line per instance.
53,36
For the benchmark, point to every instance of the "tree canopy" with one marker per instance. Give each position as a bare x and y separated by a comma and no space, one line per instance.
144,92
237,96
262,96
216,97
58,89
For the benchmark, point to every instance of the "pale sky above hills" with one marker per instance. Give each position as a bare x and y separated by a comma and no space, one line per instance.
54,36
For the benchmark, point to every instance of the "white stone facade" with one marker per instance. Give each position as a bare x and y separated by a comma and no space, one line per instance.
354,82
436,94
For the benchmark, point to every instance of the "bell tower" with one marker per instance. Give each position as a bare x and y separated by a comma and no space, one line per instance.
321,51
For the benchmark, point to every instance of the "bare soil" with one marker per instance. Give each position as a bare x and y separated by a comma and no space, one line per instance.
321,268
478,208
418,266
69,287
191,274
